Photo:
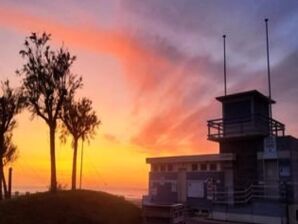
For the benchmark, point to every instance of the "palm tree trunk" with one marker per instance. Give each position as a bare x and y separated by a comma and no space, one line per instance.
1,175
4,185
53,187
74,165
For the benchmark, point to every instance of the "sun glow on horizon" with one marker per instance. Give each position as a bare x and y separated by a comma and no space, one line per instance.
152,79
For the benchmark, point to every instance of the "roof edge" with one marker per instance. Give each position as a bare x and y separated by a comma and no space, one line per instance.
240,94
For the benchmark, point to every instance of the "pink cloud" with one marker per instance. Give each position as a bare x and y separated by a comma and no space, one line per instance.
162,86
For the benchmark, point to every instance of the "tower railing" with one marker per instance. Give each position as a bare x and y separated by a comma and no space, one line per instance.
254,124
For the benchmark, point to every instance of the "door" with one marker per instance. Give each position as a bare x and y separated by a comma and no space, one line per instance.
271,178
181,185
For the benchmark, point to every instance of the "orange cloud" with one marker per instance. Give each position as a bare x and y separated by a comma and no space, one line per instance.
160,84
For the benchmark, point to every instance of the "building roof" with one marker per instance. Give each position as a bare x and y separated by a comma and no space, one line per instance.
251,93
162,205
192,158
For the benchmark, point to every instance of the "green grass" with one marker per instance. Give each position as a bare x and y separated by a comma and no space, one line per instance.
65,207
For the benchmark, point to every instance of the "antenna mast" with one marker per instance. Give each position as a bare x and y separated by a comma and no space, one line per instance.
268,68
225,69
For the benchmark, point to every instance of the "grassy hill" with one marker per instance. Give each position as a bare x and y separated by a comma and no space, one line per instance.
65,207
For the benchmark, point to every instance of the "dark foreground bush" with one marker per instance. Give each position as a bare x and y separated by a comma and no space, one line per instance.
69,207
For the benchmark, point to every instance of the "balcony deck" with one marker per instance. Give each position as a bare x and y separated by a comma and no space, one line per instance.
247,126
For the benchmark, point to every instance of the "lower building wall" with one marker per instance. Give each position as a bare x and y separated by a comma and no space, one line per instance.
247,218
293,214
185,187
261,212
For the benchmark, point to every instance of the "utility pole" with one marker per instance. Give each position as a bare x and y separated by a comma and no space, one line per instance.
9,182
81,169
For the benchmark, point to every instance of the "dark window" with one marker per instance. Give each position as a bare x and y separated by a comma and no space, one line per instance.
238,109
213,166
162,168
203,167
296,215
170,167
154,168
194,167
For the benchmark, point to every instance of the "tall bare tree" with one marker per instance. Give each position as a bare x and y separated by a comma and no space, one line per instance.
47,82
80,121
11,103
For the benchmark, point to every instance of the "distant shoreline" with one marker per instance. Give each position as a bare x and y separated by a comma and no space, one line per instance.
130,194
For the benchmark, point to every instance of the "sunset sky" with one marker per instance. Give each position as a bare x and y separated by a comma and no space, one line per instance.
152,69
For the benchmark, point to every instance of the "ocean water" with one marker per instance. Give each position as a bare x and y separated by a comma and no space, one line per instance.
128,193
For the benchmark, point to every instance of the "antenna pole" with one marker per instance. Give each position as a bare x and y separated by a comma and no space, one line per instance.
225,69
268,68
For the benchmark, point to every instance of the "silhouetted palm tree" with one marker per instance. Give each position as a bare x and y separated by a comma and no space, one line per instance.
80,121
47,82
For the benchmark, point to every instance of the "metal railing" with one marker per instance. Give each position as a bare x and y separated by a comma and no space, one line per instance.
254,124
254,191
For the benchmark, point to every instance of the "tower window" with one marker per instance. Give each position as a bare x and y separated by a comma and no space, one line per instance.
194,167
170,167
203,167
213,166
